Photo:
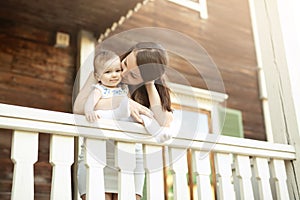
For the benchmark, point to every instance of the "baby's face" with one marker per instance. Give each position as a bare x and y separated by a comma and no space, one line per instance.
111,76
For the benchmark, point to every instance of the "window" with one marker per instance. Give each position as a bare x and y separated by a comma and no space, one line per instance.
198,5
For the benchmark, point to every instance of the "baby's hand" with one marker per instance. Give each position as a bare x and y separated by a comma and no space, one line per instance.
92,116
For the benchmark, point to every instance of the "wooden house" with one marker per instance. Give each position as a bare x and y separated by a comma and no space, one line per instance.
239,55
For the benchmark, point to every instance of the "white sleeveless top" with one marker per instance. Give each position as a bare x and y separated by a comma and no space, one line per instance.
112,92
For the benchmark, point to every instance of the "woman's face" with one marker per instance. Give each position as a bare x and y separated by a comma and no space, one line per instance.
131,74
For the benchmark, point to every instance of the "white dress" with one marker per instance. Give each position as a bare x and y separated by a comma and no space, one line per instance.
110,171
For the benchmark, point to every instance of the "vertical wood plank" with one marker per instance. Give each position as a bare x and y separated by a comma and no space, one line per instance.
61,158
153,162
262,173
95,155
86,45
224,176
202,169
278,172
125,160
244,174
178,160
87,42
24,153
190,173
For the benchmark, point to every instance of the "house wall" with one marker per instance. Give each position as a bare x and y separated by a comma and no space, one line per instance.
33,73
227,37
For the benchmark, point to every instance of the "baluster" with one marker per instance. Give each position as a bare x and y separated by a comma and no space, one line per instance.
95,161
243,172
202,169
24,153
261,169
178,161
125,160
279,175
61,158
154,170
224,175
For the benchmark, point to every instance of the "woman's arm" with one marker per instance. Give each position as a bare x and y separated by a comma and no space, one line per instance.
78,107
163,117
137,109
89,107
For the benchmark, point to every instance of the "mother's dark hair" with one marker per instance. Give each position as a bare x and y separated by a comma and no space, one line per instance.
152,60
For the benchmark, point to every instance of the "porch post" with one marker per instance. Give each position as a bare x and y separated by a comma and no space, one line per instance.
86,45
277,44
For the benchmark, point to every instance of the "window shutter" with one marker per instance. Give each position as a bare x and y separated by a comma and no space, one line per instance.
233,123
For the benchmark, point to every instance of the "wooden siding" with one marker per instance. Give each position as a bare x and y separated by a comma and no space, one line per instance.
32,72
6,166
227,37
35,74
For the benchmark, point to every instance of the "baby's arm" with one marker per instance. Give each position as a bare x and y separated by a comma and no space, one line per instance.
89,106
78,107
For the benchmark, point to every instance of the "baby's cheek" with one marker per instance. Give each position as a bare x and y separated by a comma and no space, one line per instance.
123,66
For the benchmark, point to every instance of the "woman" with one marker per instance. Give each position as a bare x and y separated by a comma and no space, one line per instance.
143,68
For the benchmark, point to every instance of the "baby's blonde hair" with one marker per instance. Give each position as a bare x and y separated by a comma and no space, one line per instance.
104,59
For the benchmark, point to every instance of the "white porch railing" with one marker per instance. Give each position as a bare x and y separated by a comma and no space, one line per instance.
243,167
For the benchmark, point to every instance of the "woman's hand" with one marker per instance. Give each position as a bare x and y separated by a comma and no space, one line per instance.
137,109
92,116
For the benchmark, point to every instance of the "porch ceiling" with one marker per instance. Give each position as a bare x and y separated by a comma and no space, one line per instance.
66,15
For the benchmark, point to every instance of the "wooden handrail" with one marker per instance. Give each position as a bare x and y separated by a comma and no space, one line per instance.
234,157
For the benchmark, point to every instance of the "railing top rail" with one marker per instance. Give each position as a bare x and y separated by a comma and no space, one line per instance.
38,120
